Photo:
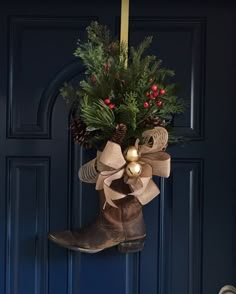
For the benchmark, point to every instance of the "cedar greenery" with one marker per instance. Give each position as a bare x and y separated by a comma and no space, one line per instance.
107,76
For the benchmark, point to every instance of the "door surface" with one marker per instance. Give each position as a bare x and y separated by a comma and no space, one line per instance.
191,243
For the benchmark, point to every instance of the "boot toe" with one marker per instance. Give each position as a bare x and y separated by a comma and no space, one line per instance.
65,238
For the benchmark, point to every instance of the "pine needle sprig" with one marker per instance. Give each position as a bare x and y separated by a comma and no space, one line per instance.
136,53
98,34
163,73
173,105
70,94
91,55
127,111
151,111
97,115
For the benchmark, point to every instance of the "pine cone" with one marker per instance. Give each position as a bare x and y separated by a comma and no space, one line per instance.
153,122
79,132
119,135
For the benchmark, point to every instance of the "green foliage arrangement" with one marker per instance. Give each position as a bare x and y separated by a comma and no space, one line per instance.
137,95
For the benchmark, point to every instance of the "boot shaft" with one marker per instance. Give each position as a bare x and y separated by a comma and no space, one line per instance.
126,218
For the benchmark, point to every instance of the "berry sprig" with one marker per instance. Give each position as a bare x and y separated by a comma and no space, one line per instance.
153,93
112,93
107,101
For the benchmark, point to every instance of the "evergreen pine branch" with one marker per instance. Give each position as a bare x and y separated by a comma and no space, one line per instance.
139,65
171,89
92,56
163,73
173,105
142,84
98,34
128,110
151,111
87,88
69,94
108,77
136,54
97,115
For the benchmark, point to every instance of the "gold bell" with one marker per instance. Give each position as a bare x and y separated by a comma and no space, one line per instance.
133,169
131,154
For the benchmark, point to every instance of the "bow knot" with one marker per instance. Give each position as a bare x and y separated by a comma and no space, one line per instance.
153,159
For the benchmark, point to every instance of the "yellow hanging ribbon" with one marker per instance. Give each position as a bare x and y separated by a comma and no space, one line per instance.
124,27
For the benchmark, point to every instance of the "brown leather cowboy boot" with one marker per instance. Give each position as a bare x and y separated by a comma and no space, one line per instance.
122,226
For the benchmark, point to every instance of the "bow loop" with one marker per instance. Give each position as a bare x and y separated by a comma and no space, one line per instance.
112,156
160,163
154,140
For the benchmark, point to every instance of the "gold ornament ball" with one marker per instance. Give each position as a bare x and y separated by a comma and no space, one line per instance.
133,169
131,154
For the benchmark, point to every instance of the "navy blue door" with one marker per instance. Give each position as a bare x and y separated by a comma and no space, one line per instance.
190,248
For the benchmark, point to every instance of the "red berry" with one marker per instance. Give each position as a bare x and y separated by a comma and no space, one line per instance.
159,103
154,88
162,91
145,104
123,81
150,80
111,106
93,79
147,93
152,96
155,94
107,101
117,75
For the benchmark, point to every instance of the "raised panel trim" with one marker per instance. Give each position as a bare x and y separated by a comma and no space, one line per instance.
40,169
42,128
132,275
194,279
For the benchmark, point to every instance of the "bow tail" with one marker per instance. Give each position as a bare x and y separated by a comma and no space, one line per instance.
145,190
111,194
149,193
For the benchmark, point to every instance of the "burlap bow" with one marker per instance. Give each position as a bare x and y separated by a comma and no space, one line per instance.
153,159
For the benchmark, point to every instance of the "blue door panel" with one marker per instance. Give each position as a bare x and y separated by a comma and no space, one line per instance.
27,210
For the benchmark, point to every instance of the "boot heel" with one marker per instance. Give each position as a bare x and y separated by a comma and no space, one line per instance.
131,246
